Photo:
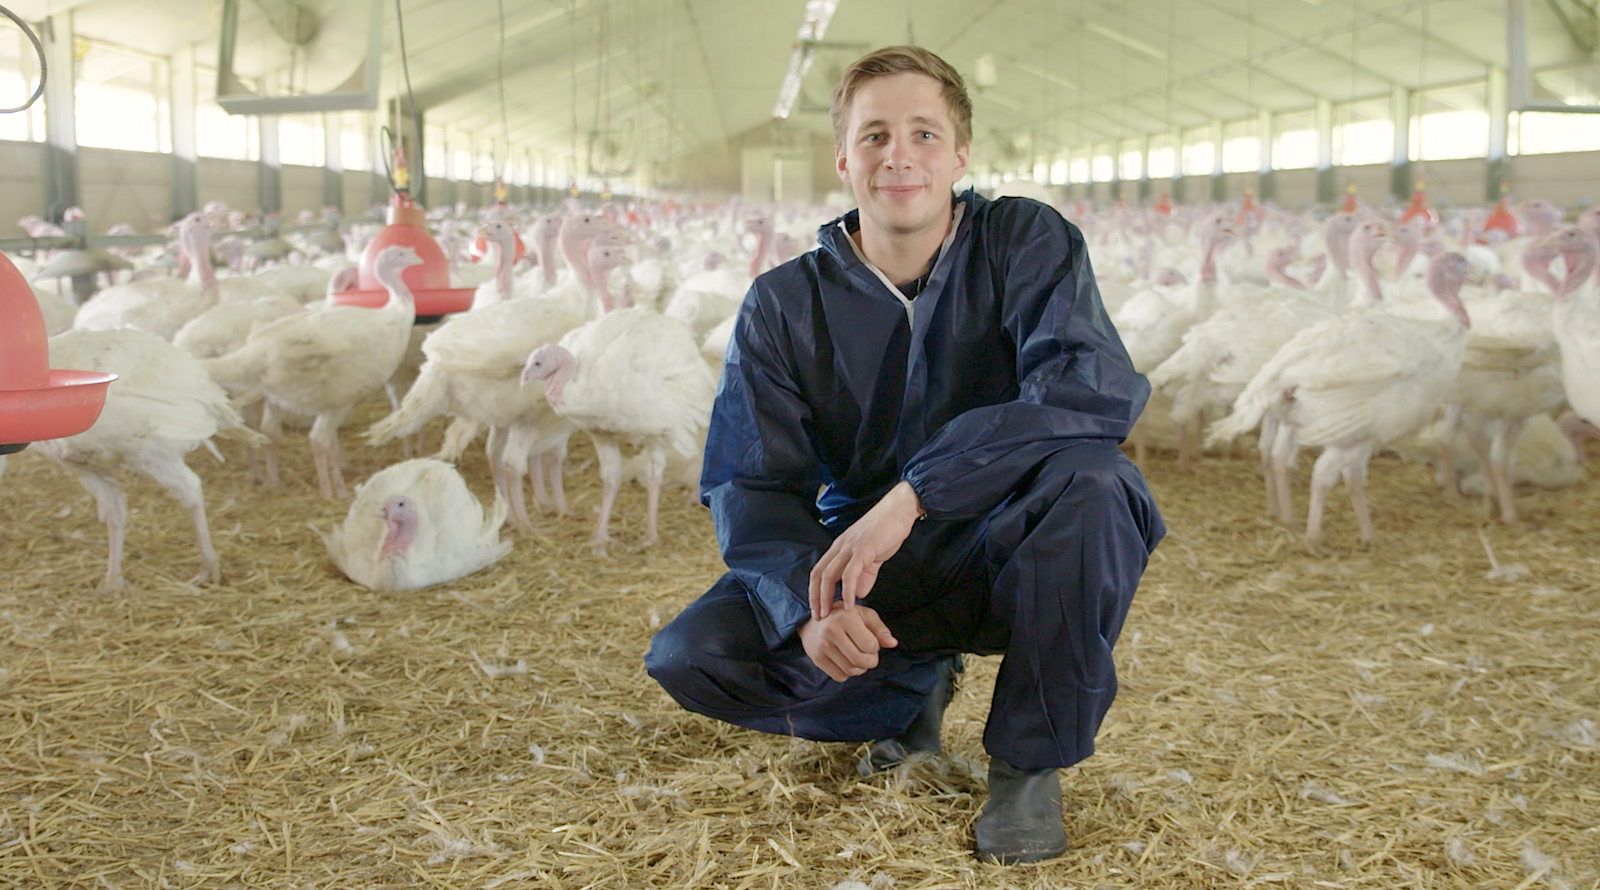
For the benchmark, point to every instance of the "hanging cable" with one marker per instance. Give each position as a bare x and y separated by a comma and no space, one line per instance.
1422,85
500,78
411,97
38,49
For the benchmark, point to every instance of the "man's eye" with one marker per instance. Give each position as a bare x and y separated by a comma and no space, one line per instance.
927,135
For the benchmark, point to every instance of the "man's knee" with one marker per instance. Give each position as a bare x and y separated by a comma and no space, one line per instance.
718,626
1089,487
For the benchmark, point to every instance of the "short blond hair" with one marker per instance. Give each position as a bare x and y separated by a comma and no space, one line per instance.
902,60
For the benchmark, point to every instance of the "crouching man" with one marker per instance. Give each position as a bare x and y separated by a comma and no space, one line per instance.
942,371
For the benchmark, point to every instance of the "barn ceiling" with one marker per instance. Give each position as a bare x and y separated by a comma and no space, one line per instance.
665,78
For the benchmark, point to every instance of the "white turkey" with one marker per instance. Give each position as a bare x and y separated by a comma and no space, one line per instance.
158,305
415,524
1222,354
631,376
1576,319
470,372
1351,385
577,292
324,362
1512,372
1152,323
161,406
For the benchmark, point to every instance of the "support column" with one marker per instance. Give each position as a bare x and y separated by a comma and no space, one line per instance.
447,195
1178,194
1265,187
61,188
1499,166
378,195
1219,186
1116,170
1400,181
1327,191
270,167
182,99
1144,170
333,160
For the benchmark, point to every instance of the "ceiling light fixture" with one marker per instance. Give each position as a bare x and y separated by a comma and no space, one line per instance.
815,24
1119,37
1042,74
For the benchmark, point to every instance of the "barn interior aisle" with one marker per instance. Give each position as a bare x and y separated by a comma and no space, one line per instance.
1406,715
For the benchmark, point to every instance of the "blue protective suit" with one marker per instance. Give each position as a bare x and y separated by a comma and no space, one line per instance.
1000,394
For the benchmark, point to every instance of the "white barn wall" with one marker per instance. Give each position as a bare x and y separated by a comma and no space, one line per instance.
357,192
1293,189
21,191
132,187
1566,179
236,183
302,190
136,187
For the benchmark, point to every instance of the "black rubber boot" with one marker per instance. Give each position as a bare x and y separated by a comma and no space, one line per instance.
923,735
1021,821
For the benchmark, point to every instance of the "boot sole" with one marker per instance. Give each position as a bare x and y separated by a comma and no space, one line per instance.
1022,857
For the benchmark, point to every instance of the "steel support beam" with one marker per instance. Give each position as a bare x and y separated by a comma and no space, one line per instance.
1265,187
1400,182
1219,185
1144,169
270,167
1326,191
61,188
333,159
182,98
1498,170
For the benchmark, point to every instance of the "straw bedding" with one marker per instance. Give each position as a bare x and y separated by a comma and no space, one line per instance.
1411,715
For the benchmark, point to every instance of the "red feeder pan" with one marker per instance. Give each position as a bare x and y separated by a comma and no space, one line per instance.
35,402
429,282
1419,208
1501,218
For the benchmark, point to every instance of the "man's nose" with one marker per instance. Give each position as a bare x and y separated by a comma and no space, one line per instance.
897,157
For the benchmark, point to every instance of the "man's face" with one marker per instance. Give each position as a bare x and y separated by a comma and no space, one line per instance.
899,154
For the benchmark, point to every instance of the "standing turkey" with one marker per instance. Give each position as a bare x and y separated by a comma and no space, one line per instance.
632,376
161,406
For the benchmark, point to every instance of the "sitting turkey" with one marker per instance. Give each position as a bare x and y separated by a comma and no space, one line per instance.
415,524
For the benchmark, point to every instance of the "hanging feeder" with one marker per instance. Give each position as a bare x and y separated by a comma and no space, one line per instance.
1501,218
1164,206
37,402
1419,208
1350,205
429,282
480,247
1250,213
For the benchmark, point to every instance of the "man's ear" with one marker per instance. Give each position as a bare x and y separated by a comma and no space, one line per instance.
963,155
839,165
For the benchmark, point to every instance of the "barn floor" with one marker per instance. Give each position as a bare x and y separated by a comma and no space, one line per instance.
1385,718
